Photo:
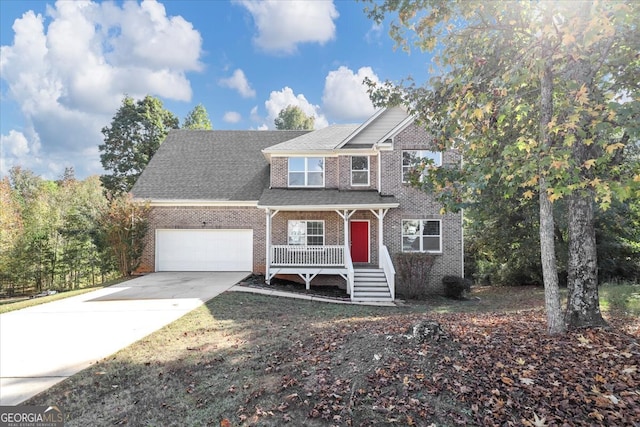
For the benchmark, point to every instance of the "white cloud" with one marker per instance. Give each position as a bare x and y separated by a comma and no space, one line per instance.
282,25
15,144
374,34
16,148
68,77
239,82
279,100
232,117
345,97
255,116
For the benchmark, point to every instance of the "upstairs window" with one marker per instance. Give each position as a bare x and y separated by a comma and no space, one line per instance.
306,172
412,159
308,233
360,170
421,235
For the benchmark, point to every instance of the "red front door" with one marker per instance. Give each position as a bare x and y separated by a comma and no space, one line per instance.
359,241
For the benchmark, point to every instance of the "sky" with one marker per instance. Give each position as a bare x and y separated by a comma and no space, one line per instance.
65,67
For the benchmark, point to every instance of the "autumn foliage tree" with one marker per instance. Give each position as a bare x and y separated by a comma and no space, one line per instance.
124,223
539,97
48,233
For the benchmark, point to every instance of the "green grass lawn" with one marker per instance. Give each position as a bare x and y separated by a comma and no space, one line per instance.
622,297
17,304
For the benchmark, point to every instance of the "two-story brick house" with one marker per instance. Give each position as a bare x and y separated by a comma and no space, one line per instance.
331,203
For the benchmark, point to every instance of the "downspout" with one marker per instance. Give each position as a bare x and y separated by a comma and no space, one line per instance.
379,171
380,235
268,246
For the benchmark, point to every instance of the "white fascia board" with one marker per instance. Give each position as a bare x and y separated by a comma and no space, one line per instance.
197,203
362,126
368,151
318,153
330,207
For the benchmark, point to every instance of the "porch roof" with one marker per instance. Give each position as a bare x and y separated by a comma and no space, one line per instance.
324,199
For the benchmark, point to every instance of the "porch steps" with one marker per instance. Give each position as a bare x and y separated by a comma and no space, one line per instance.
370,284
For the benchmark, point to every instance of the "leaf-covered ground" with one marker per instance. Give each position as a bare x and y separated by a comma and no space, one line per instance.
254,360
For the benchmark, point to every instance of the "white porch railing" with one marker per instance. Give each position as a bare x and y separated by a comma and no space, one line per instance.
350,273
316,256
389,271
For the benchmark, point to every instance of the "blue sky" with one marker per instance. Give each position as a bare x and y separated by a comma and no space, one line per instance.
66,65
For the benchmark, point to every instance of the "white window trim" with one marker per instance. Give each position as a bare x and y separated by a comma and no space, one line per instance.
422,221
368,170
306,172
305,221
437,162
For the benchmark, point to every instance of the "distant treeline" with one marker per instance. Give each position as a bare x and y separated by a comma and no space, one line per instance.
63,234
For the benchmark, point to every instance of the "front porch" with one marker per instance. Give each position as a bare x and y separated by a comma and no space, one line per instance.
311,232
371,279
309,261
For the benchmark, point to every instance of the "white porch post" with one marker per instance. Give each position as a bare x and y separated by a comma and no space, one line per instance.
346,214
268,244
267,239
380,216
345,219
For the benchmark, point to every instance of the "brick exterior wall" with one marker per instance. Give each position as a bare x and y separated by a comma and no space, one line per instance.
344,170
414,204
280,172
202,218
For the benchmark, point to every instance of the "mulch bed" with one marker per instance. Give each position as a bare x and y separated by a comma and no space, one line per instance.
257,281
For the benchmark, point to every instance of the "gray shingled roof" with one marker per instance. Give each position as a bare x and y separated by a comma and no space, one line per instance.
320,140
373,131
282,198
210,165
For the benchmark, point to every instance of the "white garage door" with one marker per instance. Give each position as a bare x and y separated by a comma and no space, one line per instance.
204,250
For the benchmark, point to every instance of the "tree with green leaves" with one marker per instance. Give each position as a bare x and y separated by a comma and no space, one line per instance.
537,97
136,131
198,118
293,118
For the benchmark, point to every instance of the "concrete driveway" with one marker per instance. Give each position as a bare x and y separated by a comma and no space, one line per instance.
42,345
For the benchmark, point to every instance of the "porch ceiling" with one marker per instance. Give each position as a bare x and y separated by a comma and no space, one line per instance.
324,199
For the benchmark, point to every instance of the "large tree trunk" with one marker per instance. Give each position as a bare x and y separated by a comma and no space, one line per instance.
583,304
555,323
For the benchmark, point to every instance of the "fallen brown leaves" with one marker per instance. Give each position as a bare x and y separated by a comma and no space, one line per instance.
498,369
249,360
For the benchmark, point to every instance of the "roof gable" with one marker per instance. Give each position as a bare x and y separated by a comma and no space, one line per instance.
378,128
325,139
209,165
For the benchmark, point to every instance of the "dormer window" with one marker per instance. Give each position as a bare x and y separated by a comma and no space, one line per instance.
359,170
412,159
306,172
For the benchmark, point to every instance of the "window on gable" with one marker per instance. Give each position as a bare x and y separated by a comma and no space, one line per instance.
359,170
412,158
421,235
308,233
306,172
